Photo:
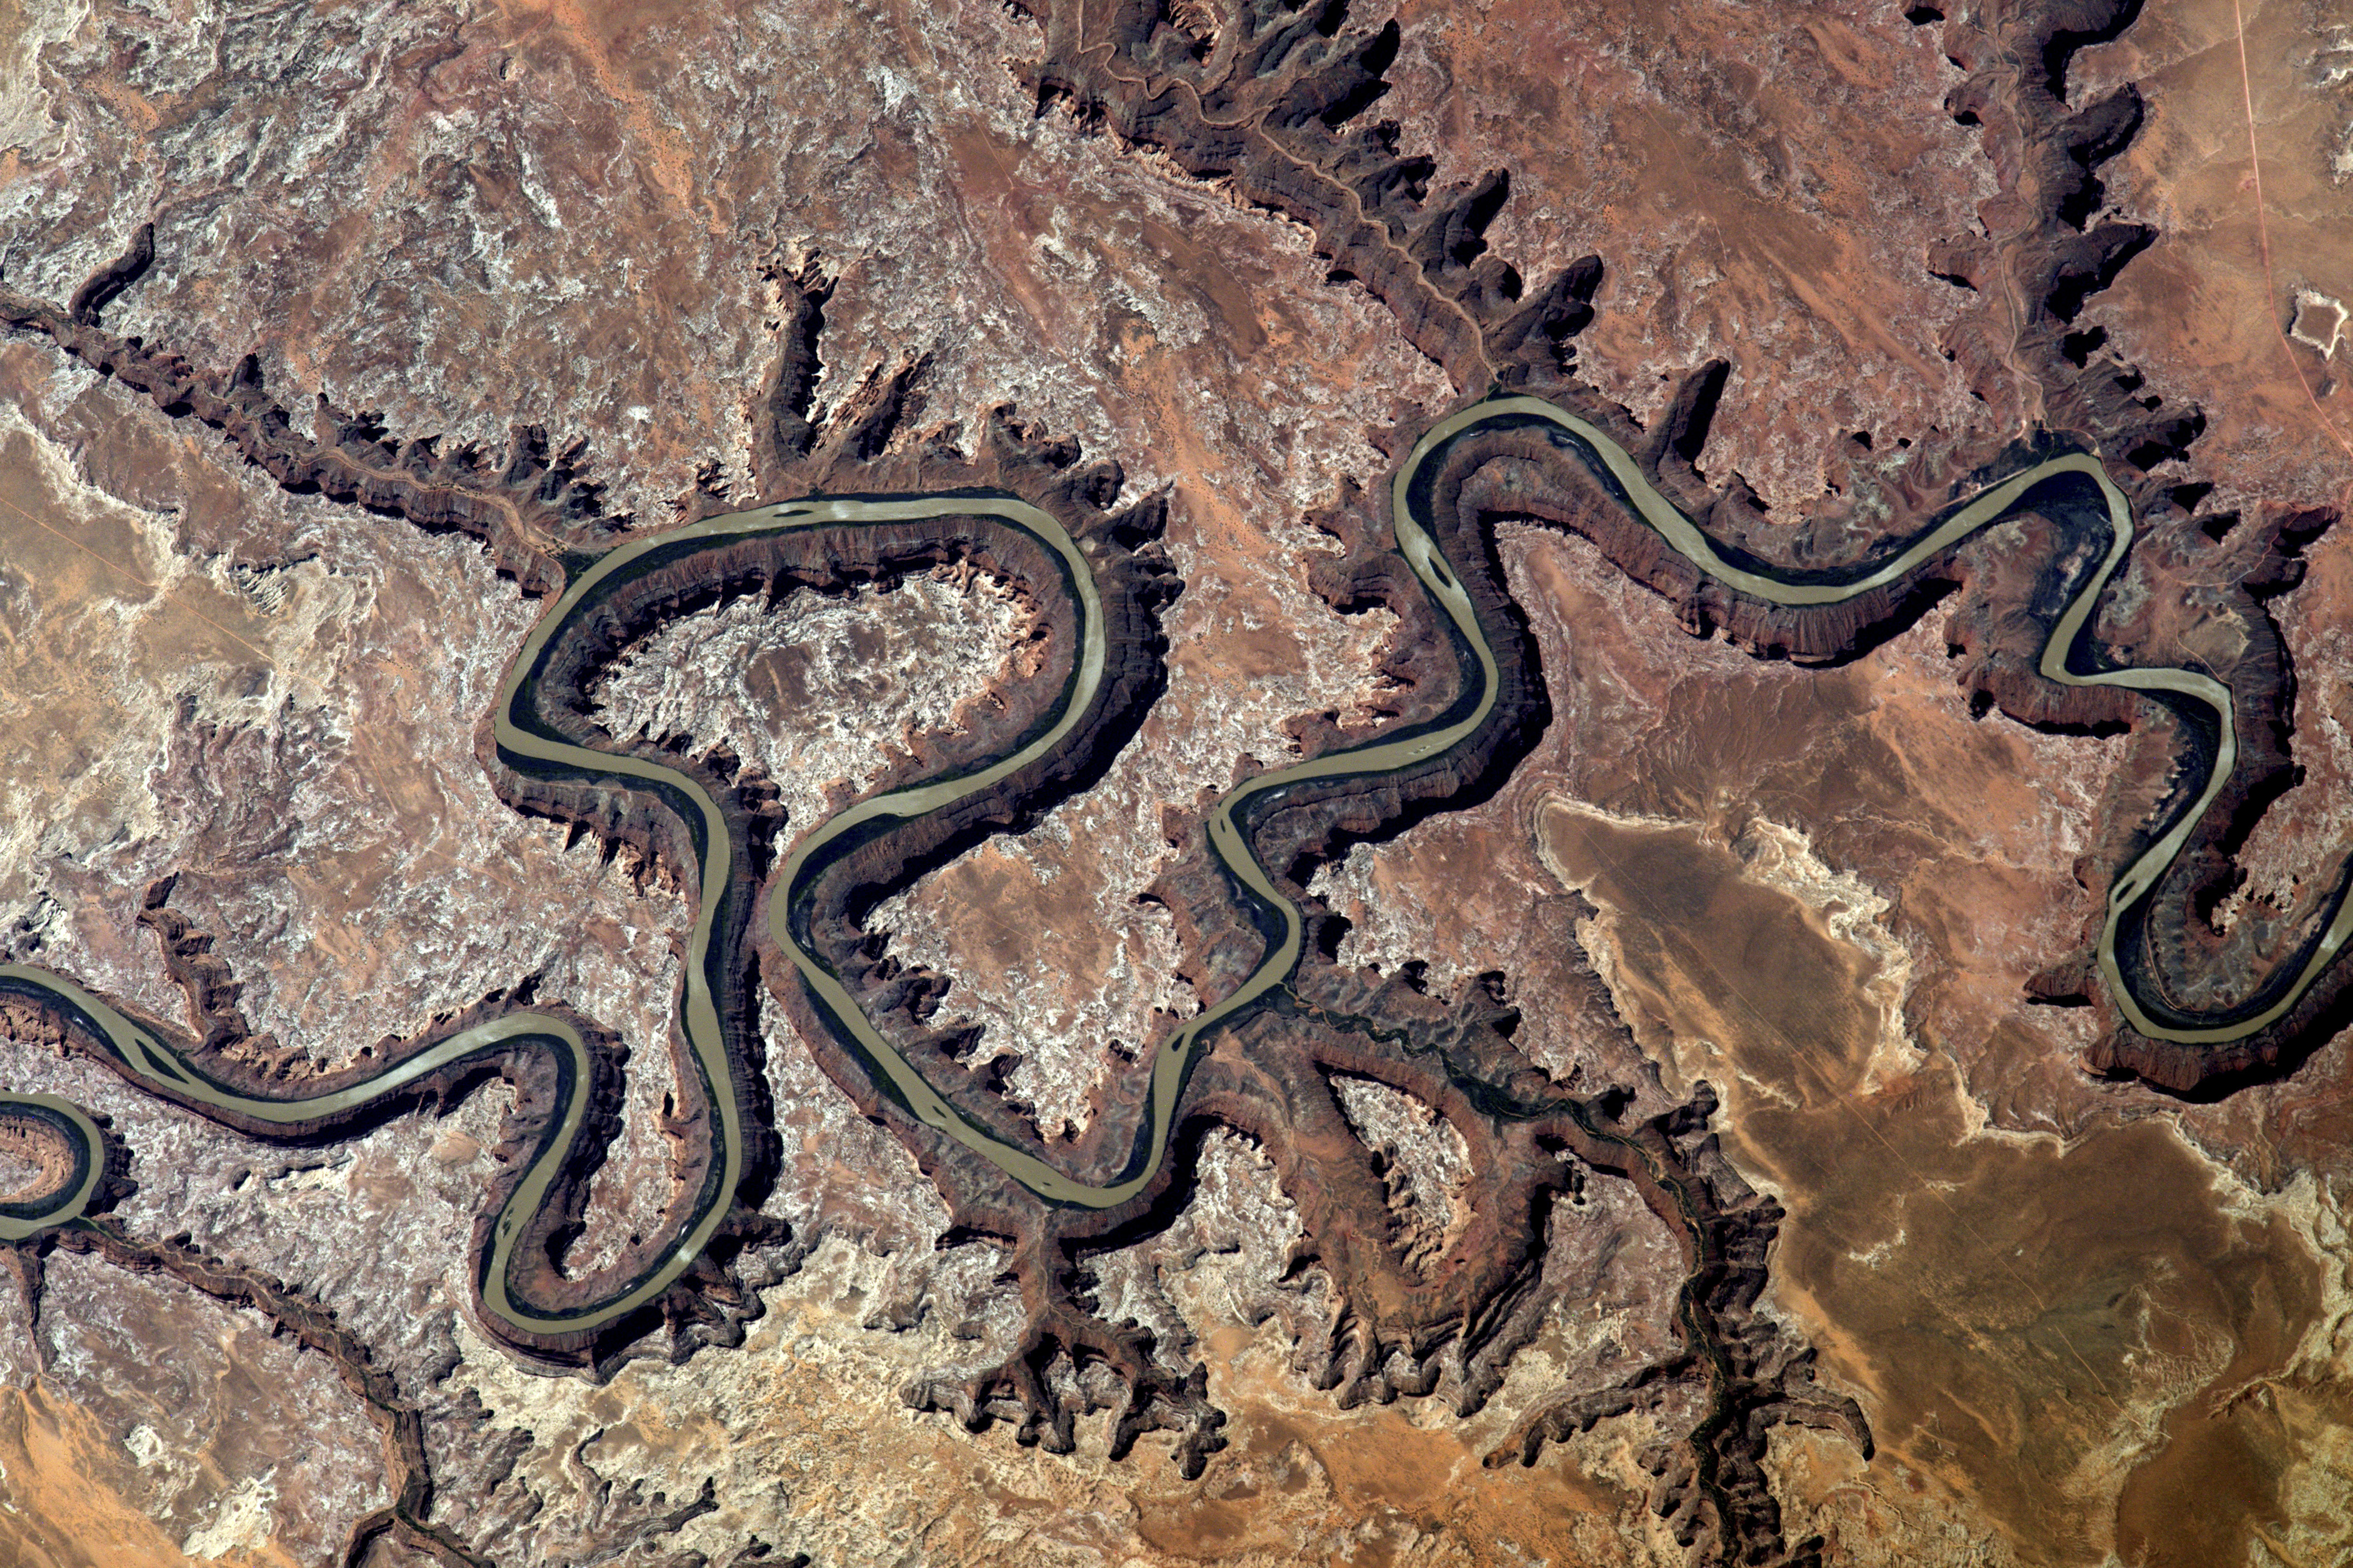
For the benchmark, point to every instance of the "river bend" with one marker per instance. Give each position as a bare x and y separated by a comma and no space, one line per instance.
526,743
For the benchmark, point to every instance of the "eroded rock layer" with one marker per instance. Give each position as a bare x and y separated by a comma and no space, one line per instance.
1272,103
1277,104
1421,1310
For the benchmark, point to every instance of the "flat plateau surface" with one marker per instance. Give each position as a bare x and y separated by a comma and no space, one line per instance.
1705,1108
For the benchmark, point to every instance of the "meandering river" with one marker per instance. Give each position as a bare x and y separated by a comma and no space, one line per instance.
2076,483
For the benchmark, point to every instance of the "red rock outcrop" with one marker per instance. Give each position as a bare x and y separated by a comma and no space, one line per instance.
1271,105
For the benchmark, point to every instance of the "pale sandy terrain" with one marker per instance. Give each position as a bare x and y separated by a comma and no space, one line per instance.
2087,1324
